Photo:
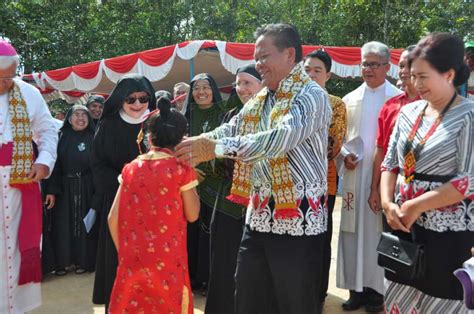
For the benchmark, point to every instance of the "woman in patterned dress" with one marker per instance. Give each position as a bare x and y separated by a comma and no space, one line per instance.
148,223
431,196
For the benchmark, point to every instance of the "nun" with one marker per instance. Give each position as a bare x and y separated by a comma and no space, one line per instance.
95,104
69,195
205,110
228,219
114,145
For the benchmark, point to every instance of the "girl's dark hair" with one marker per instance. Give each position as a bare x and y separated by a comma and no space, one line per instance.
166,127
443,52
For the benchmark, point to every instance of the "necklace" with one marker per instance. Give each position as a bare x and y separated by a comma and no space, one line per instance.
411,153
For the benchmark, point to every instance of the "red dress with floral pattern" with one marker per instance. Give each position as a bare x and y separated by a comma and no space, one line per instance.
152,275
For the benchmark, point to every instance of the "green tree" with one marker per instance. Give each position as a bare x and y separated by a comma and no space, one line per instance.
54,34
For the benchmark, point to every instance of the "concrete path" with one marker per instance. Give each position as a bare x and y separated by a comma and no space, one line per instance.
73,293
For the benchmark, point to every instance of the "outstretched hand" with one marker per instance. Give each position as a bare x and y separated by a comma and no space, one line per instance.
195,150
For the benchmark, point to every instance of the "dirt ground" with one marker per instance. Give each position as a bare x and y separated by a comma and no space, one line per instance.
73,293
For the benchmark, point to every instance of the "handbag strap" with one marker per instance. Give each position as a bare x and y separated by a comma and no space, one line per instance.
403,235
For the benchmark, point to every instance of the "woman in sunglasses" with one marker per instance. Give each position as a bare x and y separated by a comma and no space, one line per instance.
115,144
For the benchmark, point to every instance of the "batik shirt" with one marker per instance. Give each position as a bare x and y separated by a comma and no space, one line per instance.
303,136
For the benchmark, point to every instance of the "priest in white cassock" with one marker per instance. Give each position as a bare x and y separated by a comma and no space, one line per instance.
24,117
357,268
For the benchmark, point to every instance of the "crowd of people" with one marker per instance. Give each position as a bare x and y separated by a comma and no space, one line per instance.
163,195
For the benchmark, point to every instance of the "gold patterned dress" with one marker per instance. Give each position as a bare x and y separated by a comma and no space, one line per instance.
152,275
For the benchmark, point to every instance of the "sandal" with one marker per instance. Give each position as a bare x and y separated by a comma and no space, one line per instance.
80,271
60,272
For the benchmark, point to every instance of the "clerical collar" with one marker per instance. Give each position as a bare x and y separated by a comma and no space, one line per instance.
378,88
131,120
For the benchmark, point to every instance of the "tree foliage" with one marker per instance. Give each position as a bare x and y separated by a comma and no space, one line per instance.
54,34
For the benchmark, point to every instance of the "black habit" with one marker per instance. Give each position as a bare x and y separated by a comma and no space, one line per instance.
71,183
115,144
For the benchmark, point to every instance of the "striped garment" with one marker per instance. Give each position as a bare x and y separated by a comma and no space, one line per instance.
303,136
446,233
401,299
448,152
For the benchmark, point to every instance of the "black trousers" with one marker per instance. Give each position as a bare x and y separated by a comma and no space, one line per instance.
327,249
278,274
226,234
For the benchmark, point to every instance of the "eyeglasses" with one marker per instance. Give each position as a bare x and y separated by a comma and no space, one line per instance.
143,99
372,65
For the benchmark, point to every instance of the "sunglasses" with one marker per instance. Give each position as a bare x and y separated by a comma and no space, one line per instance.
131,100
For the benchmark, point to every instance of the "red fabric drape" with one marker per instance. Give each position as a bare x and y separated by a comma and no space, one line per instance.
240,51
344,55
60,74
395,55
88,70
156,57
308,49
159,56
122,64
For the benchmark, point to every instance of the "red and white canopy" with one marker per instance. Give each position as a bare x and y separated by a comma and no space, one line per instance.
168,65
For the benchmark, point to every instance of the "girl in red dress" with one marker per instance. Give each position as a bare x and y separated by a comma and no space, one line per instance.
148,223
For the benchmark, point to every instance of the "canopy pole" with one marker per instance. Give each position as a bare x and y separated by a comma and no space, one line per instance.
191,69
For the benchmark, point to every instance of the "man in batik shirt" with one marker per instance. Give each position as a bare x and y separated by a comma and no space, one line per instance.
279,143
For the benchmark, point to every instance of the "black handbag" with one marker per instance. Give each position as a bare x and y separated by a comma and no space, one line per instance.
405,259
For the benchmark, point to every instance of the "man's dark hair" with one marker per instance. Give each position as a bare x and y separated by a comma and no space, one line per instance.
410,48
284,36
323,56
